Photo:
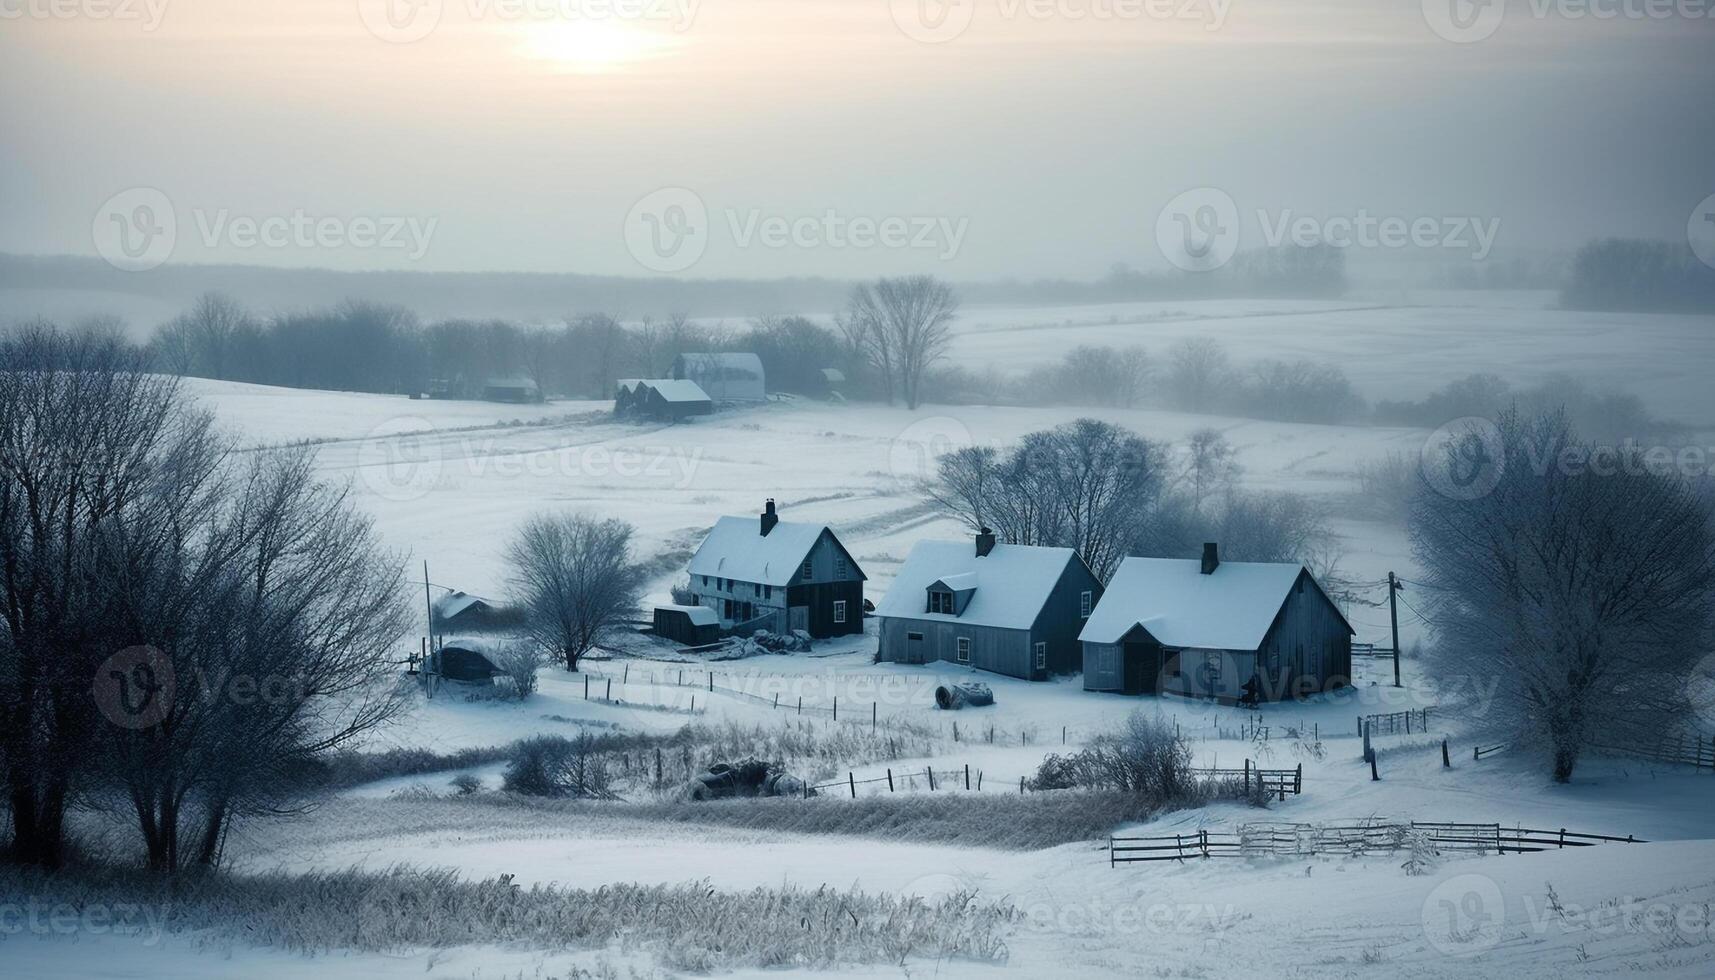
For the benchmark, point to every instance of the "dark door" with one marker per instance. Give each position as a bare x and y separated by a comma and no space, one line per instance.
1141,668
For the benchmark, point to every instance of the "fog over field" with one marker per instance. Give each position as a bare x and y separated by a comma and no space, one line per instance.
862,488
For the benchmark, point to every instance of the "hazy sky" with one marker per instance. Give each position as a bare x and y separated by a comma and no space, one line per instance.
820,137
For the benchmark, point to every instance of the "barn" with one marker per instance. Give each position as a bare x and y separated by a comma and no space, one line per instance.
694,626
726,377
763,573
1007,608
662,399
467,660
1213,629
461,612
511,389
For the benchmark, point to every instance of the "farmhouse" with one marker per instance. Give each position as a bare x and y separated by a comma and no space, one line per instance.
726,377
1214,629
662,399
778,576
1007,608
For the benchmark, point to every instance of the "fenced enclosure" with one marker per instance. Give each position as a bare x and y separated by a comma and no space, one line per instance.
1687,749
1278,783
1354,838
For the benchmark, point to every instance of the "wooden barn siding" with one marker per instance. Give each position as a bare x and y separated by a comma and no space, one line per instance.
820,599
1060,621
1237,667
1102,666
1308,618
1003,651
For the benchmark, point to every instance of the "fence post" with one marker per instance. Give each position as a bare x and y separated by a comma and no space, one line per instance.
1021,786
967,777
1563,837
1446,760
1475,753
979,780
890,780
955,732
800,704
1110,852
776,699
1375,777
657,765
872,710
1062,734
931,771
681,678
693,704
1203,841
586,687
1298,781
609,696
836,707
1178,848
626,675
852,781
711,682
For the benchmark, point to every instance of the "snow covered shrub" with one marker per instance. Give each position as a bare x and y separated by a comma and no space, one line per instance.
1386,485
1144,755
519,660
552,765
1055,772
682,594
465,783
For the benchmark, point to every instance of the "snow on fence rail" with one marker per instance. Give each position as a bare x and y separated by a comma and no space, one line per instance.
1273,782
1695,750
1352,838
1396,722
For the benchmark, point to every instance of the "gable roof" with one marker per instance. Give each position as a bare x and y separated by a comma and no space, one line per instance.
1012,583
736,549
698,615
454,603
677,391
1171,598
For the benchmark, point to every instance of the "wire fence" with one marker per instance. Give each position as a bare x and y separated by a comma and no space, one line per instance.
1353,838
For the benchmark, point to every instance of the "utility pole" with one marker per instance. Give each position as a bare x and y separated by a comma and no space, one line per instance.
1393,588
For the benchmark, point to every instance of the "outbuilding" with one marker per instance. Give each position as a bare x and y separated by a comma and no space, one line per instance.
725,377
1228,631
662,399
763,573
694,626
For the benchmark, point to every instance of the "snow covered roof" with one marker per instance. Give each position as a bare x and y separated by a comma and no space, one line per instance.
678,391
736,549
1229,609
454,603
1012,583
727,377
833,375
699,615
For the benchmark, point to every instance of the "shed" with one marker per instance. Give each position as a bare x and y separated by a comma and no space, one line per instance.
511,389
462,612
725,377
664,399
463,660
1214,629
693,626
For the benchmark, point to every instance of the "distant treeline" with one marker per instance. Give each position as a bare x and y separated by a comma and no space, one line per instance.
1620,274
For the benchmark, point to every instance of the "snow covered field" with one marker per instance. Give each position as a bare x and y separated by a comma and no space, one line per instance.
471,471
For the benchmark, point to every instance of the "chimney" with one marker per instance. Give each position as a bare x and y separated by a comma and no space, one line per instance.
1211,558
985,542
769,518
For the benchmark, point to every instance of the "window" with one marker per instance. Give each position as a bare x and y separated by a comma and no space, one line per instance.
914,637
1084,603
964,649
1212,667
941,602
809,572
839,566
768,592
1042,654
705,581
839,610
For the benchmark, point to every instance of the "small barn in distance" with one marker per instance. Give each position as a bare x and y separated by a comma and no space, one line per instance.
1214,629
1007,608
769,574
693,626
512,389
461,612
662,399
467,660
725,377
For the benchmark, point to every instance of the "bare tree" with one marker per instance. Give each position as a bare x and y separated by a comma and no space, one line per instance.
902,326
82,428
1198,370
1211,464
1582,592
575,577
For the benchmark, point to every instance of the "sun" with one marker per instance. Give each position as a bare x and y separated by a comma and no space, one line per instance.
593,47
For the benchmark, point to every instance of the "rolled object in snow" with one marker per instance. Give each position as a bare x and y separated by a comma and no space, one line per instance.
952,697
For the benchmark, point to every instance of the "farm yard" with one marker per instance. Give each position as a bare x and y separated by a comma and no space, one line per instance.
935,834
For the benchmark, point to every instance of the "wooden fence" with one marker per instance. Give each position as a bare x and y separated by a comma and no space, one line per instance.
1692,749
1353,838
1396,722
1273,782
